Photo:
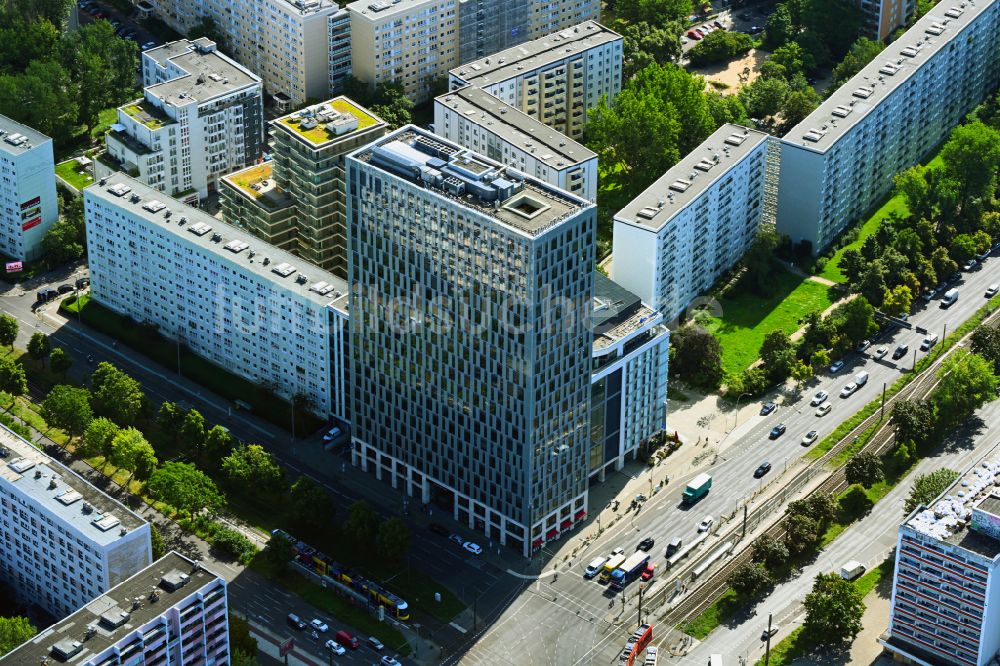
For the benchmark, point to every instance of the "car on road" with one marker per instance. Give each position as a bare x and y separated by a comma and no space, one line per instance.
439,529
82,282
777,431
864,344
836,366
335,647
969,265
65,288
767,408
332,434
810,437
848,390
706,524
992,290
649,571
881,352
819,398
824,409
953,278
295,622
473,548
900,352
319,625
768,633
646,544
761,470
375,644
929,342
457,538
386,660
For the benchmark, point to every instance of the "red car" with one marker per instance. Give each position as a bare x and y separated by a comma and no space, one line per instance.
695,34
648,572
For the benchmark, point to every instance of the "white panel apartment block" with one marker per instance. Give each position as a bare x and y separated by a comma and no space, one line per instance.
64,541
225,294
555,79
201,116
172,612
28,204
476,119
840,160
673,241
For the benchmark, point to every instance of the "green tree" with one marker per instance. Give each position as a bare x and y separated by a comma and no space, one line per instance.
14,631
914,420
963,247
749,578
985,341
392,105
801,373
22,41
855,320
39,346
393,539
720,46
66,239
820,507
696,356
770,552
218,444
834,610
944,265
967,382
797,105
645,44
233,543
972,156
802,534
310,506
131,451
186,488
927,487
726,109
855,502
777,355
898,300
276,556
793,59
250,466
98,438
119,396
837,23
60,361
240,639
68,408
12,378
864,468
159,548
820,358
361,524
193,432
241,658
8,330
780,27
654,12
764,98
759,260
43,96
103,64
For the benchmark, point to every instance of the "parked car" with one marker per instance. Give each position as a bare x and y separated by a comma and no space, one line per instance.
836,367
819,398
953,278
969,265
82,282
761,470
810,437
767,408
848,390
335,647
768,633
777,431
694,34
863,345
900,352
881,352
473,548
147,46
319,625
706,524
65,288
992,290
439,529
646,544
824,409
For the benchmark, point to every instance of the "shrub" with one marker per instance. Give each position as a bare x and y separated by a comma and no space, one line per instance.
232,542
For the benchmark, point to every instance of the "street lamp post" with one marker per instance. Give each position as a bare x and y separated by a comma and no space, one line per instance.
736,421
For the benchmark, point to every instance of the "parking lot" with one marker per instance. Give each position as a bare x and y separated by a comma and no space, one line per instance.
125,25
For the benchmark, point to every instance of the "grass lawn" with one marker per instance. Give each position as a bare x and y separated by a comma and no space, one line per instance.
714,615
105,119
896,204
74,174
747,317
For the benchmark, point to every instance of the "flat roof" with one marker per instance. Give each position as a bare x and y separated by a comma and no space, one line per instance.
693,175
16,139
63,493
210,74
257,184
120,598
230,244
377,10
548,146
617,312
328,122
893,67
471,180
535,54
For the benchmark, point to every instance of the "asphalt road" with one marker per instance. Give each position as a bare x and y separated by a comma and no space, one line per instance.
867,541
563,621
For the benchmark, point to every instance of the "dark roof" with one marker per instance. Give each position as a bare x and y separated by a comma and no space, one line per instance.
613,303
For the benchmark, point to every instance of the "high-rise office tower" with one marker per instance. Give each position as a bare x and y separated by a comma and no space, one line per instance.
470,335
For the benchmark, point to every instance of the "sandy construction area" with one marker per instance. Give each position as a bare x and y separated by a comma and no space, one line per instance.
730,73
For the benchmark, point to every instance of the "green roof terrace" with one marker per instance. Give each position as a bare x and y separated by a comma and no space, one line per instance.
257,184
147,114
328,121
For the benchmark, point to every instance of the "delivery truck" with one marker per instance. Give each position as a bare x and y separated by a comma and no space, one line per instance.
629,570
697,488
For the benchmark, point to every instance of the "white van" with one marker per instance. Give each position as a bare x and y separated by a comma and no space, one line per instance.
594,567
949,298
929,342
851,570
861,378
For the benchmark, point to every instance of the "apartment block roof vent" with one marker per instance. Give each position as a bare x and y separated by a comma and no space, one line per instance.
182,220
680,185
935,29
301,279
321,288
236,246
841,111
954,12
87,507
735,139
889,69
66,649
114,618
21,465
813,135
105,522
647,213
910,51
54,482
154,206
216,238
863,92
283,269
119,189
174,580
199,229
69,497
135,198
704,165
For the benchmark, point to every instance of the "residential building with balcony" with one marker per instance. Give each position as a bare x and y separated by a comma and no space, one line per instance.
416,42
883,17
476,119
673,241
339,26
298,201
555,79
288,43
173,611
63,542
470,337
28,204
945,606
839,162
218,291
201,116
628,376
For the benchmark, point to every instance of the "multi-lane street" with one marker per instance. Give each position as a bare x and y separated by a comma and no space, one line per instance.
563,621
